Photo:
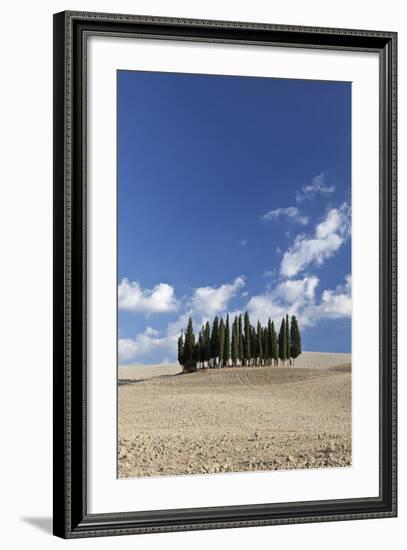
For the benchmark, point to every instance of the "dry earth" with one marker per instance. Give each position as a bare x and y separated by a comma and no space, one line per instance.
235,419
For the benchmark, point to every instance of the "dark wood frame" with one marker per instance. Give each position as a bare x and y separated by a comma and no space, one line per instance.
71,518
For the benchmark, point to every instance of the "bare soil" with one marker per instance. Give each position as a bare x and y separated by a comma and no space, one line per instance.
235,419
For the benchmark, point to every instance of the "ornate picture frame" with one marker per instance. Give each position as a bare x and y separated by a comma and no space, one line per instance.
71,512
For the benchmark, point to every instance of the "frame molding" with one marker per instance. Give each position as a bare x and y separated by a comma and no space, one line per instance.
71,519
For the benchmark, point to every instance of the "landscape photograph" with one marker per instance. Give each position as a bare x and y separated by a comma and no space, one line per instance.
234,274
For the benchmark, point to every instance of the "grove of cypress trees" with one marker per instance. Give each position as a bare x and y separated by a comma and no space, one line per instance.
221,343
247,338
246,345
226,353
295,339
282,344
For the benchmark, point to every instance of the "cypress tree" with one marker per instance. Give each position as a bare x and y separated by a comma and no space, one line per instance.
274,343
253,345
221,343
287,339
226,353
295,338
270,340
195,357
181,349
282,345
189,345
265,346
259,344
247,338
215,341
201,348
240,342
207,343
235,343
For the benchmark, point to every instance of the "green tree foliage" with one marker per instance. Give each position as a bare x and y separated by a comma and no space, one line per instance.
265,346
240,341
181,349
270,340
195,357
253,345
207,343
235,342
224,344
295,338
201,347
282,344
247,339
226,353
287,339
259,344
221,343
274,343
189,346
215,341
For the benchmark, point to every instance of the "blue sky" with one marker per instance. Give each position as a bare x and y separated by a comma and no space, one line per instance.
233,195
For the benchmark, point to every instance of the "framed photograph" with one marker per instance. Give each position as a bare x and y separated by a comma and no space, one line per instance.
224,274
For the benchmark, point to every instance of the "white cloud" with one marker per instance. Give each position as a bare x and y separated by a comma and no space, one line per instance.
152,344
262,307
244,242
208,301
297,291
290,297
306,251
175,327
298,297
150,331
127,349
332,224
160,299
316,186
329,236
291,212
146,345
336,303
